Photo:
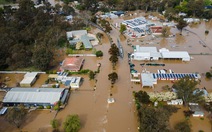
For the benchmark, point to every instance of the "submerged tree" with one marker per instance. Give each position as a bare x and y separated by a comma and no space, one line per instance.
142,97
185,88
181,24
182,127
72,123
55,124
16,115
113,77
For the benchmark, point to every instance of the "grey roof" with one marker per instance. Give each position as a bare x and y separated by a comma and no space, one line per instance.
33,95
86,41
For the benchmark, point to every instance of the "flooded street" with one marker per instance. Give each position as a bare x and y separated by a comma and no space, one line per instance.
96,114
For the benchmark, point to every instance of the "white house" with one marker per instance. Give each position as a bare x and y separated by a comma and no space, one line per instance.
29,79
72,82
147,80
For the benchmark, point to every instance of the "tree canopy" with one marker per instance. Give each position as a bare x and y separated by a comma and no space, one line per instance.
72,123
155,119
16,115
185,90
113,77
183,126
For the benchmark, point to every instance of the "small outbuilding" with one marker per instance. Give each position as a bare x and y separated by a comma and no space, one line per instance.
29,79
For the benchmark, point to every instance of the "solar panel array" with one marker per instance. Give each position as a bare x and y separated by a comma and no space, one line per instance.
174,76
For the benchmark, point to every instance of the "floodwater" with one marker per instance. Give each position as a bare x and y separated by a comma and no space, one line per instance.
97,115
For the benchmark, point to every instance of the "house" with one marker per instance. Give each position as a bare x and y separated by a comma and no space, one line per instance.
72,82
195,108
72,64
147,80
175,102
156,30
80,36
29,79
35,96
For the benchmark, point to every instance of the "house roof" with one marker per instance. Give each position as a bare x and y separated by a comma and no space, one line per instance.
147,79
72,63
86,41
33,95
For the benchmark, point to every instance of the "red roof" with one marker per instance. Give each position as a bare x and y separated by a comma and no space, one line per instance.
72,63
156,29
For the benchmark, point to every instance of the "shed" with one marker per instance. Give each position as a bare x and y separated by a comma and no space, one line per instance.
29,79
183,55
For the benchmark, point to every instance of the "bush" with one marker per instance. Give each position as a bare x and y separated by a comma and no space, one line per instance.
206,32
56,107
40,107
48,107
208,75
99,53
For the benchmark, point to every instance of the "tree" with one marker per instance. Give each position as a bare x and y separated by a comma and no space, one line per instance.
165,31
185,90
149,122
113,77
182,127
42,57
122,28
16,115
181,24
99,53
55,124
99,35
114,50
142,97
72,123
91,75
114,59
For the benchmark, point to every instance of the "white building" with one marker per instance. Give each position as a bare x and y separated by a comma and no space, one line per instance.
147,80
145,53
151,53
35,96
29,79
72,82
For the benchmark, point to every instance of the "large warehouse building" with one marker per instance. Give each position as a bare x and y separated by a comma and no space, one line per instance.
151,53
35,96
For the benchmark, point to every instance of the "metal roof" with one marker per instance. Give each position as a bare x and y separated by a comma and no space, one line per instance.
33,95
29,77
86,41
175,54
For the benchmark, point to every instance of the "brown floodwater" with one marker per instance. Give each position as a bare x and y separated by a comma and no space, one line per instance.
97,115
